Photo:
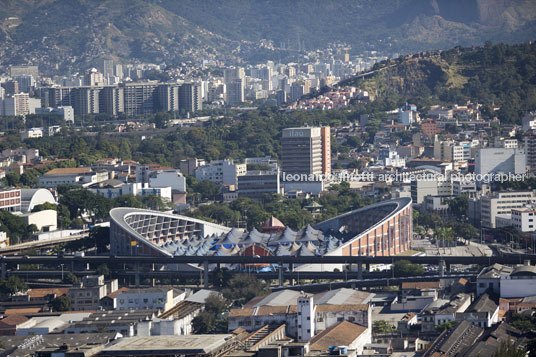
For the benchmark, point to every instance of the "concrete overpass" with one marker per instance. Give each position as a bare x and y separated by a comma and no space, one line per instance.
17,248
361,263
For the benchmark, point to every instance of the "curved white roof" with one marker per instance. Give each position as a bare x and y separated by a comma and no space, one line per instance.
31,197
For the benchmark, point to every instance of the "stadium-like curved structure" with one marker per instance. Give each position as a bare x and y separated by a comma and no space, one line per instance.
135,231
381,229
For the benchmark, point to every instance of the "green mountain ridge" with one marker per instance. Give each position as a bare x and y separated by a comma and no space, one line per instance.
503,75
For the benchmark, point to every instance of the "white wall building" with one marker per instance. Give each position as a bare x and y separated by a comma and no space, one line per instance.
499,160
306,318
429,187
223,172
168,178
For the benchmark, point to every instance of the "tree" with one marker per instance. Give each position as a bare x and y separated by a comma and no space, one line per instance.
12,286
381,326
403,268
445,234
444,326
161,119
70,278
204,323
127,201
100,236
508,349
216,303
61,303
103,270
45,206
242,288
458,206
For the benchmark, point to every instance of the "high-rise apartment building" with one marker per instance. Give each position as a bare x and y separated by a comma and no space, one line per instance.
93,78
108,69
306,151
168,98
15,105
139,98
190,99
111,100
235,81
85,100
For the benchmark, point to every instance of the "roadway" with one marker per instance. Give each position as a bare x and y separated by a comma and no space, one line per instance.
11,249
146,260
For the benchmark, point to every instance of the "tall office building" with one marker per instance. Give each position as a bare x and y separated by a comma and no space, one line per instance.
190,97
10,87
85,100
529,139
119,70
299,89
24,70
111,100
235,81
306,151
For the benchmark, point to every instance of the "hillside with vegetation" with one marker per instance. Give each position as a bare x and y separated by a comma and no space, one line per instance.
74,34
501,75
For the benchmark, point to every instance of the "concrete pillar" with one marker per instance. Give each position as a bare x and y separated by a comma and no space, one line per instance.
281,278
137,275
448,267
4,271
153,279
72,266
368,267
441,268
205,274
360,271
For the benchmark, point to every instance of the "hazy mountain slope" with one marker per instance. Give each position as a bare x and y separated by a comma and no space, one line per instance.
74,33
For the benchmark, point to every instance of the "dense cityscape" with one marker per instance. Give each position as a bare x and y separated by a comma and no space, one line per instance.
211,193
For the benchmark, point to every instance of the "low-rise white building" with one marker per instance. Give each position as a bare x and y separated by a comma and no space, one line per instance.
149,298
83,176
115,188
502,203
324,310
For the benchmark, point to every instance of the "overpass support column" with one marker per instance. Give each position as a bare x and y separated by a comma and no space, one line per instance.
153,279
205,274
360,271
72,266
4,271
281,279
137,275
447,265
441,268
